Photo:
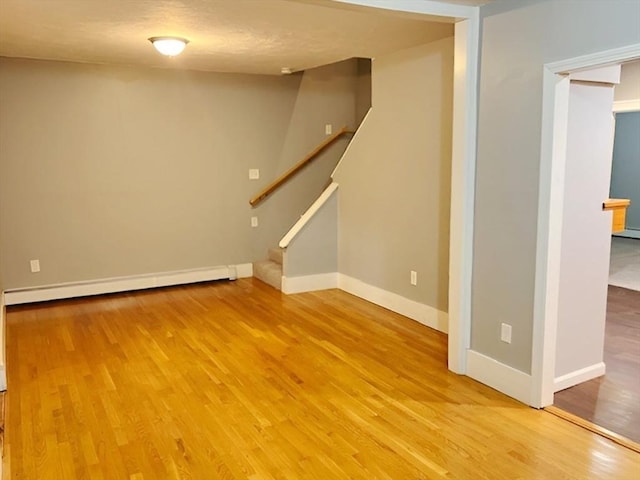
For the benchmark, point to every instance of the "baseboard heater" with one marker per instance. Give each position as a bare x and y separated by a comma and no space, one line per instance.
124,284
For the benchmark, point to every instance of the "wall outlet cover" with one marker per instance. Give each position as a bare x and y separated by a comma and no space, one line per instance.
505,333
35,266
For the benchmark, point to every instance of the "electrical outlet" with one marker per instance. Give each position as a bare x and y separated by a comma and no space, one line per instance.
505,333
254,221
254,174
35,266
328,129
414,277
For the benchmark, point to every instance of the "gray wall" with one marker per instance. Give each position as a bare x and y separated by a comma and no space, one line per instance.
586,229
363,98
625,173
395,178
315,249
518,38
113,171
326,95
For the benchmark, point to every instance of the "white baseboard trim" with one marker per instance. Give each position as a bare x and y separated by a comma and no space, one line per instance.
244,270
3,358
125,284
499,376
309,283
424,314
579,376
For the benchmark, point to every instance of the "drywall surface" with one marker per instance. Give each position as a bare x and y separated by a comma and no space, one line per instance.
114,171
586,229
625,172
518,38
363,97
395,178
315,249
326,96
629,87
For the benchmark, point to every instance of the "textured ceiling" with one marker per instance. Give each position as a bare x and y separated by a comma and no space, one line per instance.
245,36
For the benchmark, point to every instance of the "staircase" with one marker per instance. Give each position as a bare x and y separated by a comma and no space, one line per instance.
270,270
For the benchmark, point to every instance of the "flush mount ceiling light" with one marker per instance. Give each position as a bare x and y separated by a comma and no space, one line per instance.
169,46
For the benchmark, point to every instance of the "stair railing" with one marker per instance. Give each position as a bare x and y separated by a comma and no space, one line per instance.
273,186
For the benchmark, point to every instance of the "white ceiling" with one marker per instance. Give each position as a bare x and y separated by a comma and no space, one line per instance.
244,36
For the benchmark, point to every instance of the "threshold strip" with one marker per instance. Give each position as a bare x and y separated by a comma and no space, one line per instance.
592,427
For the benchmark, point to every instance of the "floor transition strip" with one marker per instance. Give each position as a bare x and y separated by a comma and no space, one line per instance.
592,427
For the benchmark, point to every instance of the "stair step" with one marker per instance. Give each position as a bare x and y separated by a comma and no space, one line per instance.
275,255
269,272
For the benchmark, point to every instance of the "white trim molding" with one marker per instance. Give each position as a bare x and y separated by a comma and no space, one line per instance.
596,60
579,376
463,182
555,119
244,270
3,337
626,106
422,7
309,283
421,313
125,284
497,375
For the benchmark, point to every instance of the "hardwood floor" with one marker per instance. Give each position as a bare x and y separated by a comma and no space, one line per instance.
613,401
235,380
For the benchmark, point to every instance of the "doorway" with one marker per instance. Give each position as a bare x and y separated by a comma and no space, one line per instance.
612,401
555,182
556,94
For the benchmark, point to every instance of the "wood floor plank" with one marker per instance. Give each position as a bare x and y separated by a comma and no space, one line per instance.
236,380
613,400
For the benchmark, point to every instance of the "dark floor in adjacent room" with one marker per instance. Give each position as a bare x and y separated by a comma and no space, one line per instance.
613,401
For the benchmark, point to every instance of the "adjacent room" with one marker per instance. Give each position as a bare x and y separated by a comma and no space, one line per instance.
612,400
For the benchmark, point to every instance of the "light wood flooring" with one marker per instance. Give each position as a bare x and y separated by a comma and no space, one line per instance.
613,401
234,380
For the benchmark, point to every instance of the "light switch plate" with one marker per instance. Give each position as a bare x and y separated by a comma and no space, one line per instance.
35,266
505,333
254,174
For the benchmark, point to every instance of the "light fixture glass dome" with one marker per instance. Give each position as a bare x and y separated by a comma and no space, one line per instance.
169,46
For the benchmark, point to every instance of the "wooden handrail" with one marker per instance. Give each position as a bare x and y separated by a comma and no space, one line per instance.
298,166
